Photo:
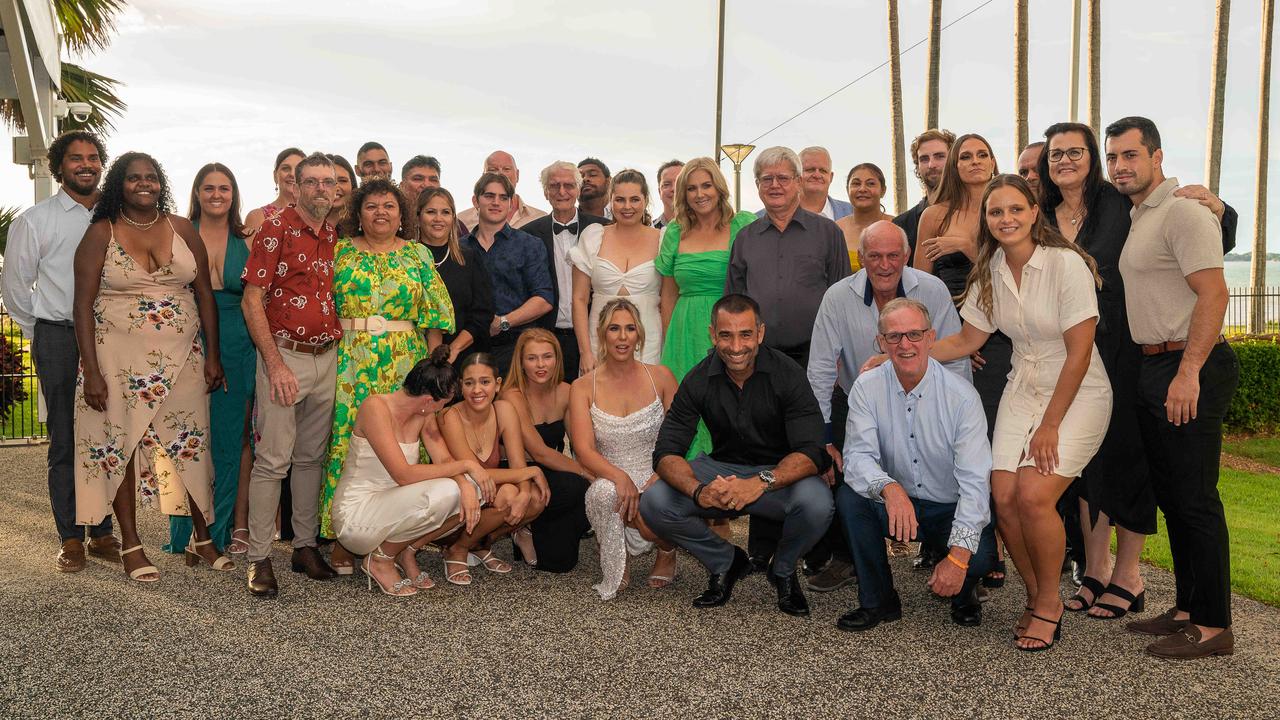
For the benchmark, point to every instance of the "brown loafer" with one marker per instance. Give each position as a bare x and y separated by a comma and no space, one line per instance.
1162,624
1187,645
71,556
106,548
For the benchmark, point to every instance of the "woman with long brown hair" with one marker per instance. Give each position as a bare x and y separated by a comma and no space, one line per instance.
866,187
286,189
464,275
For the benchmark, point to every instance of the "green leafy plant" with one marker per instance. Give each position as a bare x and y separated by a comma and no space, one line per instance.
1256,405
12,389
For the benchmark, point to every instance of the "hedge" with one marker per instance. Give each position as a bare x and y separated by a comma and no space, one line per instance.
1256,405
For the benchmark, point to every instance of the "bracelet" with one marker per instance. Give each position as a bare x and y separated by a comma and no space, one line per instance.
698,492
956,562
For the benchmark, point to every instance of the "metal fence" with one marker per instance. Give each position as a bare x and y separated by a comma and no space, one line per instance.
21,426
1253,311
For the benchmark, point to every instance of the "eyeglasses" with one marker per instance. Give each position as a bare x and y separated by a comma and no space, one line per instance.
311,183
558,187
893,338
767,180
1074,153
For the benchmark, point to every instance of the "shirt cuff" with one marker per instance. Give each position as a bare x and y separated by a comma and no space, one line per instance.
876,486
964,537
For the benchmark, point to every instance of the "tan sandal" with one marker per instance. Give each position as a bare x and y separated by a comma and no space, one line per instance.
238,545
137,574
661,581
422,581
457,577
193,558
494,564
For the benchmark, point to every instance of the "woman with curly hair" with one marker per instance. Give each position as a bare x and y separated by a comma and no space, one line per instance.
393,308
142,299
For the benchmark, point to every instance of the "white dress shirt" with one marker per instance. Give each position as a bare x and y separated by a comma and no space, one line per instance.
38,280
564,241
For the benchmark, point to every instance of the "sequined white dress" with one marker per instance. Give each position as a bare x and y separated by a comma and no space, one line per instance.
626,442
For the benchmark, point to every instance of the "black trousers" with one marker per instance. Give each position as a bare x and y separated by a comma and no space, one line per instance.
1184,477
57,361
569,349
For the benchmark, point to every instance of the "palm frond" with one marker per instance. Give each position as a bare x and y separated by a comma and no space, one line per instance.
88,25
7,216
82,85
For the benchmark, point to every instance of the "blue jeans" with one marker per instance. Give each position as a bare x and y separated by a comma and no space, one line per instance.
804,508
866,525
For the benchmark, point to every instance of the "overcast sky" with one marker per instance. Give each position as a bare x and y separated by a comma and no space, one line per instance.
634,83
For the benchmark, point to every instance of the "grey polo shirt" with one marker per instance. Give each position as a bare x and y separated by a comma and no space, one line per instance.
787,272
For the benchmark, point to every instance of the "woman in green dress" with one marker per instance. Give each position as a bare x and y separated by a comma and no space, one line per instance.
693,259
215,211
393,308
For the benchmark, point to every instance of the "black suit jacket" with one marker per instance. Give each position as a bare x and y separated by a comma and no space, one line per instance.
541,229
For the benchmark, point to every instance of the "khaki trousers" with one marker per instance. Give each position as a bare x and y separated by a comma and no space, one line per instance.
296,435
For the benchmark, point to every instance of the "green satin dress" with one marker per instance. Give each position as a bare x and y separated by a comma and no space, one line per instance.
700,279
227,410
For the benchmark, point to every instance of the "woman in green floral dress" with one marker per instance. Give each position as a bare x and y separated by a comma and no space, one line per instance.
393,308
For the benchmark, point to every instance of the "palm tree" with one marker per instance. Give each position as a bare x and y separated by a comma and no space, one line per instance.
1095,66
7,216
895,101
1020,75
87,26
1258,268
935,61
1217,97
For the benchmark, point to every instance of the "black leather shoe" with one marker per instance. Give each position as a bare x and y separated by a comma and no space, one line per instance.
308,560
865,618
262,579
790,598
967,615
760,562
720,587
926,559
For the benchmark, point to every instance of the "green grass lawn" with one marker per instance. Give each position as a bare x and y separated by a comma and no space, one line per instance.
1263,449
1252,503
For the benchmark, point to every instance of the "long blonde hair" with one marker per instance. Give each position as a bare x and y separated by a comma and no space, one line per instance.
602,324
515,377
684,214
1042,234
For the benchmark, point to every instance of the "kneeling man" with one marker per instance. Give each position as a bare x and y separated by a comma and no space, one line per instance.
766,458
916,462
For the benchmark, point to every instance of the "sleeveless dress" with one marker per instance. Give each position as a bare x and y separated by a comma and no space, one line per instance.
642,283
699,277
370,508
227,410
398,285
626,442
147,331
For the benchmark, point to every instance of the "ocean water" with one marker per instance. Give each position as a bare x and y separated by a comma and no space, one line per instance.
1237,273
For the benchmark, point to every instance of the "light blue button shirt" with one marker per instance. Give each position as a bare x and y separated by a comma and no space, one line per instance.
845,329
39,281
932,441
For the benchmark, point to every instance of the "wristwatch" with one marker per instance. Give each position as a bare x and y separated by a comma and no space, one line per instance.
766,477
503,325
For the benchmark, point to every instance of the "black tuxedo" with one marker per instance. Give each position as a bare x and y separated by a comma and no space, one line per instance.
541,229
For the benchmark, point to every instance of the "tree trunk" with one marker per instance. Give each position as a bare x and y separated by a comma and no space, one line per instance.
935,57
1020,23
1258,267
1217,98
895,102
1095,67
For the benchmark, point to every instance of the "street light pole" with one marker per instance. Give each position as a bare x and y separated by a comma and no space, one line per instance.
737,153
719,82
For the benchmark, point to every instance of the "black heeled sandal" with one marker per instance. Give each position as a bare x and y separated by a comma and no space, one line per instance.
995,582
1137,603
1057,635
1095,586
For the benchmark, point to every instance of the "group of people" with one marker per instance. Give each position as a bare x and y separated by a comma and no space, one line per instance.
409,374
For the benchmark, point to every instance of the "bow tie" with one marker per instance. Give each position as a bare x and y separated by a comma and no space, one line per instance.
557,228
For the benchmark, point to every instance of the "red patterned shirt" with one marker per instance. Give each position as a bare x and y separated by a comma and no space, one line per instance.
294,265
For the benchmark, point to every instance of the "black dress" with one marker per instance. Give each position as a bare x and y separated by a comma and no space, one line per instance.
1117,480
558,531
471,291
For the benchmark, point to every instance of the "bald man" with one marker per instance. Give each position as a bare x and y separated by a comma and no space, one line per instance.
501,162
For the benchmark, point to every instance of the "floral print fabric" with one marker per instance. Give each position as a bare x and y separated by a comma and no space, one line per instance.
398,285
147,331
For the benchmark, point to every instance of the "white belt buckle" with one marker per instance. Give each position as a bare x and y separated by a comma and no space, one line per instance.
375,325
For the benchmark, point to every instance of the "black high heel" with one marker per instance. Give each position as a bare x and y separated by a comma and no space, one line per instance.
1137,603
1057,634
1095,586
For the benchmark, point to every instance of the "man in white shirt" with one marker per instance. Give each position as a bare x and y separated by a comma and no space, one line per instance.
667,175
38,285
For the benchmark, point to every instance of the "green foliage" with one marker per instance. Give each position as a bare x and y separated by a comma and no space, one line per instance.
1261,448
1256,405
87,25
13,390
7,215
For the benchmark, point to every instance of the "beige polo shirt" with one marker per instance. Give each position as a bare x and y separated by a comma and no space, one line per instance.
523,215
1169,238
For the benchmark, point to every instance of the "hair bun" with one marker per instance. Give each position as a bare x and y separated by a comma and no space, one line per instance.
440,356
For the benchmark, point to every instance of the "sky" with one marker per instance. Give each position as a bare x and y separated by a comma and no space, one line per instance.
634,84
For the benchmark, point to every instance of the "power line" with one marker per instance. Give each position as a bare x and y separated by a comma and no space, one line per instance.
866,74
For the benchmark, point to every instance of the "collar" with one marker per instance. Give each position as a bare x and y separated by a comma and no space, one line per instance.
576,218
925,386
503,233
765,362
68,203
1161,193
1037,260
868,295
291,215
801,217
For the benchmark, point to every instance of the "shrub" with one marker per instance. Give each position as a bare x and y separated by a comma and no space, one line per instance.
1256,405
12,390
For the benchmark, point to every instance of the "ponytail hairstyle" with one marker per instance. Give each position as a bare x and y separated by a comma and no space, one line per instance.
637,177
433,376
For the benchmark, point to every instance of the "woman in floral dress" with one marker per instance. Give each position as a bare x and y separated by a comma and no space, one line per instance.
142,298
394,309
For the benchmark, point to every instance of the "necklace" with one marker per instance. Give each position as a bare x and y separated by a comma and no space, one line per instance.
142,226
1076,215
447,250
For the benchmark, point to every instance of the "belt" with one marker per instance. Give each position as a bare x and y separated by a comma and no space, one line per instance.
307,348
1171,345
59,323
377,325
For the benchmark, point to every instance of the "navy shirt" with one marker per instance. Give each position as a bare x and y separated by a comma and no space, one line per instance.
517,264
